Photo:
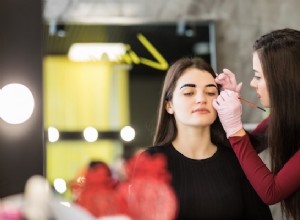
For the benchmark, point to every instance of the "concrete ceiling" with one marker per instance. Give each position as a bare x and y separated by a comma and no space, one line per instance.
120,11
80,20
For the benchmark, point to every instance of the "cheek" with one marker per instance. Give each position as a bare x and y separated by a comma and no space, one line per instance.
266,97
214,114
265,100
263,87
179,106
213,110
181,102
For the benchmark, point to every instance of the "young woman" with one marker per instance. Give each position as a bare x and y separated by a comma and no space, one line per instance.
206,177
277,83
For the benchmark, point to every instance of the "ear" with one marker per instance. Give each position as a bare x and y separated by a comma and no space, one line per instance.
169,107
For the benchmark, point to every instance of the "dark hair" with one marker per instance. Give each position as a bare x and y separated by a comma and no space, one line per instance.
279,54
97,163
166,129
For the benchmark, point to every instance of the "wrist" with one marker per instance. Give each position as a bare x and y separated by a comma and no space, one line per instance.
235,131
239,133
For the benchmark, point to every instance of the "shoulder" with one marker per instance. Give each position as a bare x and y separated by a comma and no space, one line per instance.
261,127
229,163
158,149
228,156
258,136
226,151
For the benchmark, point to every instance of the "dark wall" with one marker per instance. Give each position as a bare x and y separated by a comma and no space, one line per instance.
21,146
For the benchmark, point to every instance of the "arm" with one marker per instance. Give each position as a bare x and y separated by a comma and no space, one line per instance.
255,208
271,188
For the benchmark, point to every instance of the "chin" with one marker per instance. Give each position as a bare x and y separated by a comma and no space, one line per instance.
204,123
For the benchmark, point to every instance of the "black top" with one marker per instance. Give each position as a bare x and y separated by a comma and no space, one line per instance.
212,188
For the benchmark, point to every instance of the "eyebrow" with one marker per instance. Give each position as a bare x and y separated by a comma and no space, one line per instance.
188,85
194,85
211,85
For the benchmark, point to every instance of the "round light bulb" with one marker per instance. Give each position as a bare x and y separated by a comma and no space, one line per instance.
16,102
127,133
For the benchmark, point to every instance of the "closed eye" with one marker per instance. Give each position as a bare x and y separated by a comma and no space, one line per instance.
188,93
211,93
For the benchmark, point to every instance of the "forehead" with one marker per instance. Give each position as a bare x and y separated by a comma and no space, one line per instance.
198,77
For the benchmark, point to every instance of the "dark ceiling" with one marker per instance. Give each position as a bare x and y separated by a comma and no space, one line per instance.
58,38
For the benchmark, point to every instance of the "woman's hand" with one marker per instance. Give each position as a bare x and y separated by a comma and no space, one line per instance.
228,81
229,109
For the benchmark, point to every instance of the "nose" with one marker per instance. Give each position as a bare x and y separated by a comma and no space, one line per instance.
253,83
200,97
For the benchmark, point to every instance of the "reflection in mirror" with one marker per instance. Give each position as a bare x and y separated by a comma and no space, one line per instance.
117,98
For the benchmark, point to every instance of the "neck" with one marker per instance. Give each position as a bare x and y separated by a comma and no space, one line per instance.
195,144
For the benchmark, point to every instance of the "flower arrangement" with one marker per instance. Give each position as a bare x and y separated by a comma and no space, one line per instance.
145,193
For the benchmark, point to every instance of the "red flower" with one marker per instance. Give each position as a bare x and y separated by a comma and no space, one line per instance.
145,195
148,166
97,194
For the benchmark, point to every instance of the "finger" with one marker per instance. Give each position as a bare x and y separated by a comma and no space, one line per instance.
228,73
215,104
228,94
222,80
221,98
221,77
239,87
225,93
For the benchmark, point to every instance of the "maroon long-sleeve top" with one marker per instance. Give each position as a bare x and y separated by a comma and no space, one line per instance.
272,188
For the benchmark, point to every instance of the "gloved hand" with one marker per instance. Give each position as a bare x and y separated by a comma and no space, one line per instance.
228,81
229,109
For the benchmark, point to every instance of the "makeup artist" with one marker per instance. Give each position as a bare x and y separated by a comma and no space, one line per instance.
206,176
276,66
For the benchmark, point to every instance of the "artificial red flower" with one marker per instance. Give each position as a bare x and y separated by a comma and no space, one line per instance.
146,194
97,194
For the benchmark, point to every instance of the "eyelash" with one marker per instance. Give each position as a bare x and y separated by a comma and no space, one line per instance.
257,77
188,93
208,93
211,93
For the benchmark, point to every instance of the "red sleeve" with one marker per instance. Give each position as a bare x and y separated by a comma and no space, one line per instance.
261,127
271,188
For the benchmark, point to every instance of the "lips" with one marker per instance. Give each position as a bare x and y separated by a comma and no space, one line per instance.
201,110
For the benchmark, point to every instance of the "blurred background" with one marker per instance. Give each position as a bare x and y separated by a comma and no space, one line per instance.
92,71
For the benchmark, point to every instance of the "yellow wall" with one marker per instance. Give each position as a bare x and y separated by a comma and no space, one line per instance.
66,159
78,95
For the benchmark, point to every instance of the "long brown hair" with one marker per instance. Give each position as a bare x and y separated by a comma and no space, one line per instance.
279,54
166,129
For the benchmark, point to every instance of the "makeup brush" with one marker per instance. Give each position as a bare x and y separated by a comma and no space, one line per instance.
252,104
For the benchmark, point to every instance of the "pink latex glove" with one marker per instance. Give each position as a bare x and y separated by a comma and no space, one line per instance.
229,109
228,81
